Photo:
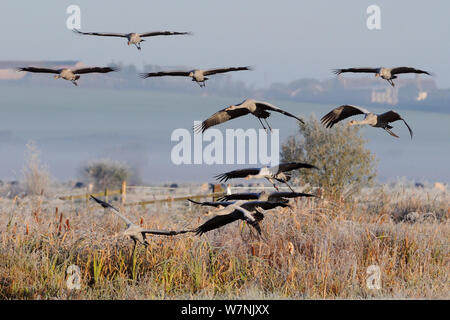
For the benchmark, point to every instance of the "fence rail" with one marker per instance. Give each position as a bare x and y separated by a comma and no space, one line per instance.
218,191
123,193
98,194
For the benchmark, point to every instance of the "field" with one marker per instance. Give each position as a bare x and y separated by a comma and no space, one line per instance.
319,249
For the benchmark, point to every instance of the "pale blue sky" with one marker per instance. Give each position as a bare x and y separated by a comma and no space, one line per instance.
283,40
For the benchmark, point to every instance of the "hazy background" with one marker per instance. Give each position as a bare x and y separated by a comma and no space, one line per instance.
283,41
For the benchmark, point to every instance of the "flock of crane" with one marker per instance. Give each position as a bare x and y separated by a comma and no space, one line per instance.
248,207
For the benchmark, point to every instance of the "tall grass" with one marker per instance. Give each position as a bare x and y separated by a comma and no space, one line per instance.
319,249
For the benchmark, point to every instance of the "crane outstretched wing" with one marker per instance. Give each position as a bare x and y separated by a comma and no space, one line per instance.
102,34
223,70
95,70
162,232
268,106
284,167
266,205
106,205
241,173
39,70
220,117
357,70
288,195
165,73
239,196
400,70
212,203
162,33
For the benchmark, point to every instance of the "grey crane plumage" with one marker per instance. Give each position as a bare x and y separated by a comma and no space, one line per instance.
67,73
260,109
135,232
388,74
374,120
197,75
133,37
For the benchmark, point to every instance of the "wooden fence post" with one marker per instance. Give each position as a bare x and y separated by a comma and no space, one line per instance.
123,192
216,189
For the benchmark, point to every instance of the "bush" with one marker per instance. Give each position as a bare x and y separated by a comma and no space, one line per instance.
345,165
36,178
105,174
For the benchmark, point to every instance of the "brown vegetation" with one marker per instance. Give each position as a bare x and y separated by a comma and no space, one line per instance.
320,249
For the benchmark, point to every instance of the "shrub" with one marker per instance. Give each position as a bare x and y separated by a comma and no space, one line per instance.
36,178
345,165
105,173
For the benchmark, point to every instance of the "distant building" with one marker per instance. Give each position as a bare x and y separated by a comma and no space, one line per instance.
388,95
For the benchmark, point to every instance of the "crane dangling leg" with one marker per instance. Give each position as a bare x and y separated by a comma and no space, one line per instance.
265,119
262,124
289,186
391,133
273,183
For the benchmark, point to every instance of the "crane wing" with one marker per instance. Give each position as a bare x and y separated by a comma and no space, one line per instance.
341,113
39,70
239,196
392,116
400,70
281,195
284,167
94,70
221,116
217,222
162,33
357,70
102,34
223,70
161,232
266,205
165,73
268,106
106,205
252,219
241,173
211,204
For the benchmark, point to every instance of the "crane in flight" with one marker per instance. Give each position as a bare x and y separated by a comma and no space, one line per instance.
278,173
133,37
388,74
133,231
375,120
197,75
67,73
259,109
